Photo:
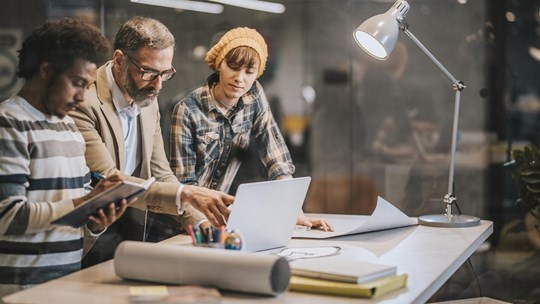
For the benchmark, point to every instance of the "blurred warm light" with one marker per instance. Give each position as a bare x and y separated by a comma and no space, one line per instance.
199,52
534,52
510,17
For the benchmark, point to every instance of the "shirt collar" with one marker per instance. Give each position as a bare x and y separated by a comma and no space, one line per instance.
120,102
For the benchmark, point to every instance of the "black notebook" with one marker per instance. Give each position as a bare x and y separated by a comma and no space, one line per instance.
125,189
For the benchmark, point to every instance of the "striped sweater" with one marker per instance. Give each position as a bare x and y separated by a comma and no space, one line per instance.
42,167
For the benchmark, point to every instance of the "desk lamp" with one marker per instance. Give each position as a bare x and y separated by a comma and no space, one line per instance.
378,36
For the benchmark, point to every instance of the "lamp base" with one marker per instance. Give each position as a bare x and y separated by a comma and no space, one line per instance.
441,220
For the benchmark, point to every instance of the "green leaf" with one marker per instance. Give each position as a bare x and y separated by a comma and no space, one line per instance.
527,153
531,179
518,157
534,188
528,172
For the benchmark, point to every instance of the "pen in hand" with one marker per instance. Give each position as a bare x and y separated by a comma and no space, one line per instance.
95,178
97,175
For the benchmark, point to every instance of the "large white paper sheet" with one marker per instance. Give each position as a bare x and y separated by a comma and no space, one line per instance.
224,269
385,216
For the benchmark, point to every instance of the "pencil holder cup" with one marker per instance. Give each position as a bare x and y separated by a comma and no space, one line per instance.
230,239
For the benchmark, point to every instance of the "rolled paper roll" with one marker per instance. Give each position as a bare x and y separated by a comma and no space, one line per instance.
223,269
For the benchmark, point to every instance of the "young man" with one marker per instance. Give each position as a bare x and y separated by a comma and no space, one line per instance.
42,168
121,126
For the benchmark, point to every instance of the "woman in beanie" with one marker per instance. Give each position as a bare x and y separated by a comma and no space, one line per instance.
213,125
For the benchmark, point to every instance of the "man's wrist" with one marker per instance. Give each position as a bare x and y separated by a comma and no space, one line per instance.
179,204
200,222
94,233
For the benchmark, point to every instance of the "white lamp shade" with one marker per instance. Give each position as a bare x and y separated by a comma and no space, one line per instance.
378,35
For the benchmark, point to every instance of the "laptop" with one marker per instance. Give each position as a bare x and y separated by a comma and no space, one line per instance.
265,213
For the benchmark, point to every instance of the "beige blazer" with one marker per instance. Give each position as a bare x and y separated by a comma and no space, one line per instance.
101,128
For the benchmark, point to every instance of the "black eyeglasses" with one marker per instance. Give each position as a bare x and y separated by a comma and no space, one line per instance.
148,75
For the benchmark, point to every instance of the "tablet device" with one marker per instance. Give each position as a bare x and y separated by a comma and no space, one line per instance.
125,189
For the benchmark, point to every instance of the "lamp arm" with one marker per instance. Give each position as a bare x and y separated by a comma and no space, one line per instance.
458,86
450,197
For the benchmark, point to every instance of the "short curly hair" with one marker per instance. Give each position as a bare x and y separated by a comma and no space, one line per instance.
61,42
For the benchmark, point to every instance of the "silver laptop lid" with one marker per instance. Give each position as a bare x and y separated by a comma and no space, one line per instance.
265,212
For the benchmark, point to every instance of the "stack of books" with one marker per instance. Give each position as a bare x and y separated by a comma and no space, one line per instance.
345,278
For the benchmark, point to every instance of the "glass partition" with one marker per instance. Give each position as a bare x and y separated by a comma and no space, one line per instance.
361,127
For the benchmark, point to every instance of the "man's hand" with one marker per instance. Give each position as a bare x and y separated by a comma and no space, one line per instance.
106,216
105,219
103,185
213,204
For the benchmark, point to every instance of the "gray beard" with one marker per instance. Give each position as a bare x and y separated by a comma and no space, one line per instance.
140,96
143,103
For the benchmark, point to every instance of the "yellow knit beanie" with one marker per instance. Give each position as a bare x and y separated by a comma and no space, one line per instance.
240,36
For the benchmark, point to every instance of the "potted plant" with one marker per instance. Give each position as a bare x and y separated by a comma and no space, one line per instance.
527,175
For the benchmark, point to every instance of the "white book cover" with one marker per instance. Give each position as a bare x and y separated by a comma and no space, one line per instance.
342,270
385,216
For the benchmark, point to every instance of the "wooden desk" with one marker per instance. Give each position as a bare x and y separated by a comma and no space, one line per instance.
428,255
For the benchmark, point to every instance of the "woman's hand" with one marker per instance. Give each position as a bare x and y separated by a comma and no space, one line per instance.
312,222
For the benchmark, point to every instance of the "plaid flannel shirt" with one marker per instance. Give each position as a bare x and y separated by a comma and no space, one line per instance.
206,145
